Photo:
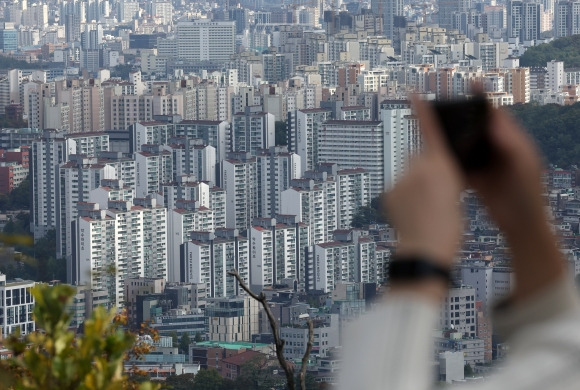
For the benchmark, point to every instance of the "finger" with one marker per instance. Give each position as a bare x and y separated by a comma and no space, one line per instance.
509,137
430,126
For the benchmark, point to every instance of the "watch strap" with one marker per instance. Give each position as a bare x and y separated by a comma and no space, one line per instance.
415,268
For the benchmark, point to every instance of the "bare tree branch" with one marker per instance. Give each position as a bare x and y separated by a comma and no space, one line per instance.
278,341
302,374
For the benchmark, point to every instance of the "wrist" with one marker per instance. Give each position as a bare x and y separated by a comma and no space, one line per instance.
431,290
419,275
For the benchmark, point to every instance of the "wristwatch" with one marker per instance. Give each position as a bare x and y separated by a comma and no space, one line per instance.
415,268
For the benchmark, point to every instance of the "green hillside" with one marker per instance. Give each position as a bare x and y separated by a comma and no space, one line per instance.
562,49
556,130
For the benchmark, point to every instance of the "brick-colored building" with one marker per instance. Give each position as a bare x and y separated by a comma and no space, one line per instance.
231,367
14,165
484,331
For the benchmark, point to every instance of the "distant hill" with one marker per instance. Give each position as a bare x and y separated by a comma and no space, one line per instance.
565,49
556,130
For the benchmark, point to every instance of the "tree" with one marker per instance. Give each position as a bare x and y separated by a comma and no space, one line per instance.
311,383
565,49
554,129
373,213
256,374
174,338
122,71
184,343
179,382
207,380
57,359
467,370
197,338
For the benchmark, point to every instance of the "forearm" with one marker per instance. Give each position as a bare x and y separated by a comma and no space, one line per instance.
536,259
391,348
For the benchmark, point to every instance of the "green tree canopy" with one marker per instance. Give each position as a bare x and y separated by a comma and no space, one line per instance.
57,359
565,49
555,129
184,343
207,380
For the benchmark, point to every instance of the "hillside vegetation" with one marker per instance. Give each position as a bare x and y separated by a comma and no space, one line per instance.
565,49
556,130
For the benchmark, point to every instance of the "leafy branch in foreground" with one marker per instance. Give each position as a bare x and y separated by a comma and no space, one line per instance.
278,341
55,358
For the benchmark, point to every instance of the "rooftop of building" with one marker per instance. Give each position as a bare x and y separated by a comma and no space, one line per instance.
356,123
237,345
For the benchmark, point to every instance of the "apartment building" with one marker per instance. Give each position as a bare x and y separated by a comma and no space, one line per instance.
239,179
304,128
275,168
17,304
77,178
207,257
252,130
313,200
47,154
187,216
126,240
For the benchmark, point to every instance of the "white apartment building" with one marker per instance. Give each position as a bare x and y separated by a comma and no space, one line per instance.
252,130
304,127
326,337
353,191
333,262
240,184
212,133
46,155
153,167
208,257
17,305
262,258
205,40
185,188
187,216
149,133
90,144
277,252
458,311
566,18
124,166
77,178
191,157
127,240
275,168
10,88
111,189
555,78
402,139
350,259
217,203
126,110
490,283
374,80
163,11
355,144
314,203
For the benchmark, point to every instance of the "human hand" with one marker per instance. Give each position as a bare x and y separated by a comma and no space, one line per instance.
424,205
511,188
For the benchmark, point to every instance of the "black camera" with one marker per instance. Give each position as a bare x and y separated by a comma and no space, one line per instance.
466,124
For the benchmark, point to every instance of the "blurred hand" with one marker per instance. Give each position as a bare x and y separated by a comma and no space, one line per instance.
424,205
512,187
